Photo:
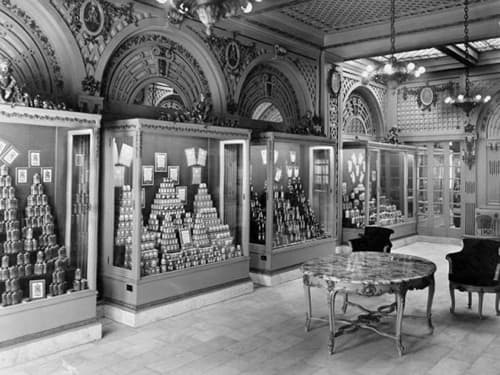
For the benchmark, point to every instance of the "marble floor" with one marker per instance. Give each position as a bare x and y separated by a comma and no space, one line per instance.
263,333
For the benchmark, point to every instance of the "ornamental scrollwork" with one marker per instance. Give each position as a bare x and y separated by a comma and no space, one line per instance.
426,96
93,18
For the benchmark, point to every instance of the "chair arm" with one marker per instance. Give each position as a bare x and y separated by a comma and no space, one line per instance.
457,258
497,273
450,264
387,249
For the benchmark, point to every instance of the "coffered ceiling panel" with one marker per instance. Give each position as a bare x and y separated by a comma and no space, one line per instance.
340,15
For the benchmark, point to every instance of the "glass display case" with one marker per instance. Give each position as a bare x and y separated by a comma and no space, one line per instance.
175,210
292,200
439,189
48,220
378,187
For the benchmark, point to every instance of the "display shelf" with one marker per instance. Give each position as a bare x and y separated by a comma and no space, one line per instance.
292,204
48,221
175,211
378,187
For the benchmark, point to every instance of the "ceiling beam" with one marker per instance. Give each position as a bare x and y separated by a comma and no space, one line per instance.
471,59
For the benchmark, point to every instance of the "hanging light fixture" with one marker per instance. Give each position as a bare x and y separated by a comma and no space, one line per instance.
467,101
393,72
209,12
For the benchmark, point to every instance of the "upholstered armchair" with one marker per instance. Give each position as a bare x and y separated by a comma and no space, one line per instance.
373,239
475,269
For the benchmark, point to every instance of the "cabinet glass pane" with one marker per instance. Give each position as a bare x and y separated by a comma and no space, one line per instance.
233,189
373,188
391,199
258,188
123,160
192,190
422,193
455,184
438,183
411,185
79,229
354,188
321,187
294,217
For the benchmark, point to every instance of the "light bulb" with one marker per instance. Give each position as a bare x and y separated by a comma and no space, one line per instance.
258,1
410,66
460,98
477,97
161,1
487,98
448,100
388,68
421,70
365,74
417,74
370,68
247,8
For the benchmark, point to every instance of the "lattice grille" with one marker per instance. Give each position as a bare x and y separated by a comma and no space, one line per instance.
310,73
441,118
328,15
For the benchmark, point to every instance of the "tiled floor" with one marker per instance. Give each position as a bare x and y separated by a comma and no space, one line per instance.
263,333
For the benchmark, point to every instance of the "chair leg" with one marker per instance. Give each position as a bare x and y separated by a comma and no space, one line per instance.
452,295
480,304
346,302
497,300
469,302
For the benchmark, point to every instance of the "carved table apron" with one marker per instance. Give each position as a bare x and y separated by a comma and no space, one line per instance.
368,274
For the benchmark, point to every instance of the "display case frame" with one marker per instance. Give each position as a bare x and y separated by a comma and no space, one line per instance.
270,262
445,188
406,222
53,134
126,288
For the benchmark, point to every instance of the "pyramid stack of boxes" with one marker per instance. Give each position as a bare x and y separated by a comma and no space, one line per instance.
209,240
36,255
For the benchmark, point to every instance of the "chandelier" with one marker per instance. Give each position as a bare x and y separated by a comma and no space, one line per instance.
467,102
393,72
209,12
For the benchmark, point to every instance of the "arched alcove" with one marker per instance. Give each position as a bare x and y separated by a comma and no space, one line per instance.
164,55
362,116
153,58
31,50
267,88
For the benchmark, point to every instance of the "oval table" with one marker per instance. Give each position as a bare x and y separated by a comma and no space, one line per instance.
368,274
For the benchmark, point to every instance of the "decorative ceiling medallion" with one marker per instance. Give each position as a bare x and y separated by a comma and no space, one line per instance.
426,98
92,17
232,54
334,82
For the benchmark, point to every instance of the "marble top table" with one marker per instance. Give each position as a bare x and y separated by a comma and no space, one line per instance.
368,274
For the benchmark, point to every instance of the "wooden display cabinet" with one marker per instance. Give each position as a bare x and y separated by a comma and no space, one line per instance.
292,203
48,224
378,188
174,213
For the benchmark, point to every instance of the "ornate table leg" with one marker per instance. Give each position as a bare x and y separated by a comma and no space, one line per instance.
429,303
400,306
331,305
307,293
